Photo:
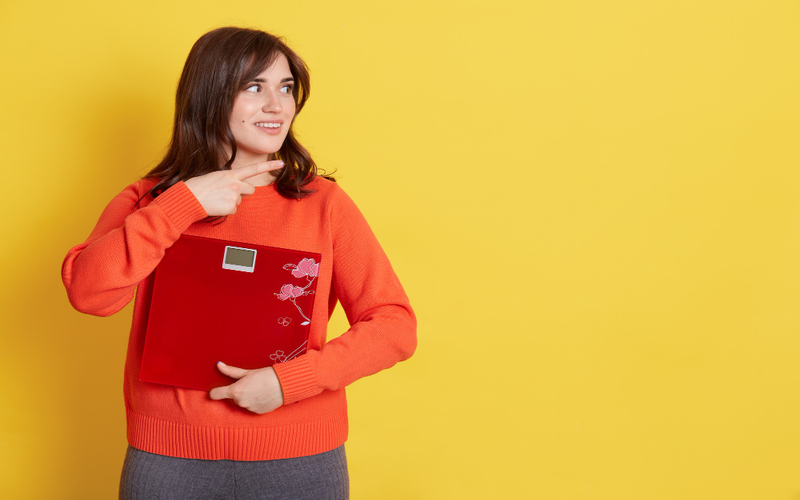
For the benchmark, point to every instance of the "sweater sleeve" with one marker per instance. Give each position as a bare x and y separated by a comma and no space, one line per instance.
383,325
126,245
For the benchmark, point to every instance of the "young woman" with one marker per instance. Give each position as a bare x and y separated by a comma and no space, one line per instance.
234,171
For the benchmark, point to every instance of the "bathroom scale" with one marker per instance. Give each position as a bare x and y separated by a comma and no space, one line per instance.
249,306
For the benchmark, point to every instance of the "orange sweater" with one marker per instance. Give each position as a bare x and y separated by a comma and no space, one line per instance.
120,255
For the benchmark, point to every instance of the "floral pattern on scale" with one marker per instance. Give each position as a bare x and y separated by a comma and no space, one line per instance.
279,356
308,269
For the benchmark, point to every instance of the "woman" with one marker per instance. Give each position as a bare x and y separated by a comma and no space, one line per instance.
235,171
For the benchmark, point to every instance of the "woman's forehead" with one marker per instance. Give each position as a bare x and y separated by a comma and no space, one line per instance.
278,69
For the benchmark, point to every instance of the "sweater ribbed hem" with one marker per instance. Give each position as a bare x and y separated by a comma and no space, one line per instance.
174,439
181,206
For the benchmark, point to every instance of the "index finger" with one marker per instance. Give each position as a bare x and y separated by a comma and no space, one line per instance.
221,392
256,168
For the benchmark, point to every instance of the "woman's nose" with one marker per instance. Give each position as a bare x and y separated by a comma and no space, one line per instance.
272,103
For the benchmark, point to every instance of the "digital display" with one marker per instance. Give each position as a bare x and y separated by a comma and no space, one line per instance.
240,257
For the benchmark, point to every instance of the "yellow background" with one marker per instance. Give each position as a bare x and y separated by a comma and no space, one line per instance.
592,205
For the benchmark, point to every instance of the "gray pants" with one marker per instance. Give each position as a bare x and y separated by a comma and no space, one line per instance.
146,476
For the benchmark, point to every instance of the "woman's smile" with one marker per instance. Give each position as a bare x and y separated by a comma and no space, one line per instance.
272,128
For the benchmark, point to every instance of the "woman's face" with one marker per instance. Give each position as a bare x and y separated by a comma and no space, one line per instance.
263,112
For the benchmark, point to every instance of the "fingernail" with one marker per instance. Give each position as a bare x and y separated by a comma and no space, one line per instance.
221,363
282,164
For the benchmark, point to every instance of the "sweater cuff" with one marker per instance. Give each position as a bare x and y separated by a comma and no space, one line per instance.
297,379
181,206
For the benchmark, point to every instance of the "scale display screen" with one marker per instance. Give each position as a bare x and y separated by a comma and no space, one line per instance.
239,259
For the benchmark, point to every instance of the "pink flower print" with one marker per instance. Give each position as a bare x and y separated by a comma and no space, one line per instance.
289,292
306,267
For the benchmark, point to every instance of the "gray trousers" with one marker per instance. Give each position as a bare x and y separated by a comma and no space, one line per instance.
146,476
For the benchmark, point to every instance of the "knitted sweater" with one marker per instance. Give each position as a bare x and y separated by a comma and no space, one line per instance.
120,255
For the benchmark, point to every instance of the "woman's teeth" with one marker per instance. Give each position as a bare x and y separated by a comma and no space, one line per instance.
268,125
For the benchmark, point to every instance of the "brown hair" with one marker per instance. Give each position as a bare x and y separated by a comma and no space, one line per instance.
219,66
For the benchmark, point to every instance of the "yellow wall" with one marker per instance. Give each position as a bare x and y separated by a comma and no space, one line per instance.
593,206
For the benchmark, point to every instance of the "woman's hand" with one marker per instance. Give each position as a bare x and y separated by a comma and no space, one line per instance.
256,390
221,192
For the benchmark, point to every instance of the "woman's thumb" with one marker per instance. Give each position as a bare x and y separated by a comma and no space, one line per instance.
231,371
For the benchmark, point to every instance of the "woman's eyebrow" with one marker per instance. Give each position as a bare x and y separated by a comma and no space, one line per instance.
262,80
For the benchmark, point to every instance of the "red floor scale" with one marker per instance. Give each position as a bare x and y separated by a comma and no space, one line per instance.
249,306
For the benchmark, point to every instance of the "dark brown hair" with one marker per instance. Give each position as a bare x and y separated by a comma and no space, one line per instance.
221,64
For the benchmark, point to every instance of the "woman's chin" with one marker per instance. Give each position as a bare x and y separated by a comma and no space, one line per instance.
250,157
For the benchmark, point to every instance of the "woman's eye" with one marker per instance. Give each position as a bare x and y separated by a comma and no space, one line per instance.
287,89
253,88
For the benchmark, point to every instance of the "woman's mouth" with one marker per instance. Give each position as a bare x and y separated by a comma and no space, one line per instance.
270,127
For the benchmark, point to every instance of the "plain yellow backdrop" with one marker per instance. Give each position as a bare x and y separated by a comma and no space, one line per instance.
592,205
